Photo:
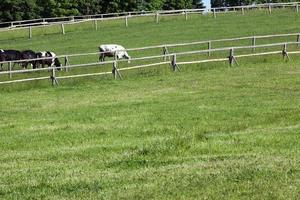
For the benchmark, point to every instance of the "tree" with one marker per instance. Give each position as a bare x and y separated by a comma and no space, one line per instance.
198,4
11,10
154,4
18,10
46,8
89,7
177,4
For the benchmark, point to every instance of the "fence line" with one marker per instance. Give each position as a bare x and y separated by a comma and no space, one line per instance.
139,58
25,24
144,13
173,62
209,42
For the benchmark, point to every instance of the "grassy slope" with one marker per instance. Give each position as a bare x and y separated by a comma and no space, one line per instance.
208,132
144,32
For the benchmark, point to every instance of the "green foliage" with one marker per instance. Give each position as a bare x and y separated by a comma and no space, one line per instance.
177,4
29,9
18,10
151,4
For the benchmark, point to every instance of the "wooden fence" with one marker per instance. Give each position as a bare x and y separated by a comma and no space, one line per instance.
253,40
232,58
62,21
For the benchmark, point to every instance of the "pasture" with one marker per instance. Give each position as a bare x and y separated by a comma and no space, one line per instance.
208,132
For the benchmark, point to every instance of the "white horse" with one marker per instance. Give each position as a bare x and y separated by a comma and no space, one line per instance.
112,50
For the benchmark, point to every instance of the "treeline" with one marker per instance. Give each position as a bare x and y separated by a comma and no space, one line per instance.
11,10
225,3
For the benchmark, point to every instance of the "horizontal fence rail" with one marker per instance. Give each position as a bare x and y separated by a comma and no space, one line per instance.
209,42
62,21
173,62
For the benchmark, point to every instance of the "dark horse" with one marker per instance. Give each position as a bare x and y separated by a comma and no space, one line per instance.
9,55
26,55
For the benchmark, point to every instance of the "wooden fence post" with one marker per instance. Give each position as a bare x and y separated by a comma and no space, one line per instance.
285,53
209,48
270,9
67,63
298,40
243,11
253,43
96,24
297,8
53,77
165,52
10,69
157,17
30,32
186,15
115,70
63,29
231,58
114,73
214,11
174,63
126,21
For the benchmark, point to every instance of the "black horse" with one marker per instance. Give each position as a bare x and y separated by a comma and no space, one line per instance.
26,55
9,55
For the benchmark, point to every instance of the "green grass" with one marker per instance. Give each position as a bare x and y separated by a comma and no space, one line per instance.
208,132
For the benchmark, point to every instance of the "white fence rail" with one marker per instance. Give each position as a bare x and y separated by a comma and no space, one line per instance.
210,43
62,21
173,62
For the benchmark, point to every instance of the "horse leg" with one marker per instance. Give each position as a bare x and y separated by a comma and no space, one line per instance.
101,58
15,65
24,65
37,64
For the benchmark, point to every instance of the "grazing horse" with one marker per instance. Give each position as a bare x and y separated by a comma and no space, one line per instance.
111,50
28,54
9,55
52,61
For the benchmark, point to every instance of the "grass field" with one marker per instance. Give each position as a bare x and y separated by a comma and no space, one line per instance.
208,132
